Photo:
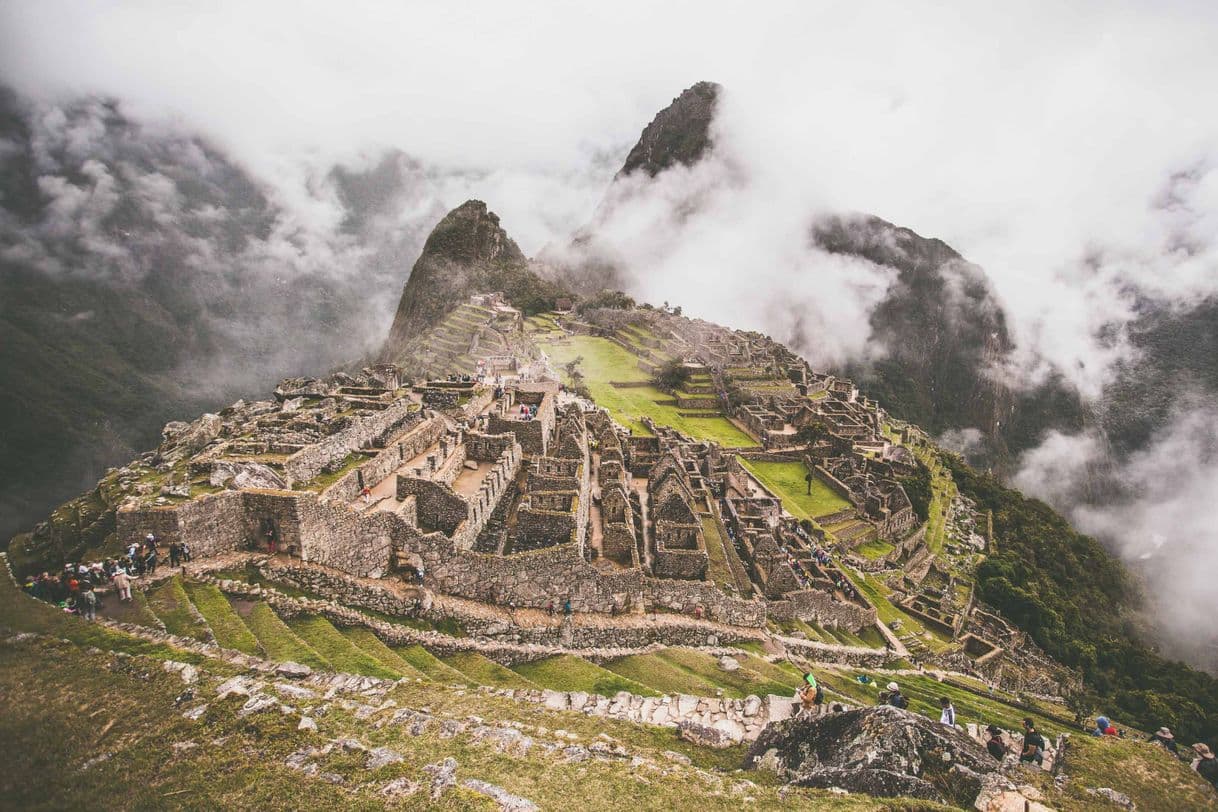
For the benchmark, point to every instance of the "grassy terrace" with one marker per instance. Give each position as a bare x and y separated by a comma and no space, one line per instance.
344,655
685,671
603,361
278,641
786,480
874,549
943,490
483,671
570,673
226,625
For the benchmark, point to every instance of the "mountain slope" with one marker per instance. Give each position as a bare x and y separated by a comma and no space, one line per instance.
468,252
145,276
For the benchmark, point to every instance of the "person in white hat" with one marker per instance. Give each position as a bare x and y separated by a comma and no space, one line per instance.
1164,737
1206,764
895,697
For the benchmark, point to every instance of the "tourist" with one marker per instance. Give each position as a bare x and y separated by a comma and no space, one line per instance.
185,548
367,494
550,608
88,603
1163,736
150,561
1103,727
895,697
175,554
566,607
150,540
1206,764
1033,744
122,584
947,713
996,746
810,694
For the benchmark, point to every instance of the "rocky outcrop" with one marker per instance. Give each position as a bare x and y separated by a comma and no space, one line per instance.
468,252
882,751
679,134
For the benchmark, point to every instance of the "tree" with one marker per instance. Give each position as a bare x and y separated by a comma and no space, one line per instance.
672,376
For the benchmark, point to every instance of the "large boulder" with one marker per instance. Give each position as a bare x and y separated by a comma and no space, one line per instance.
237,475
882,751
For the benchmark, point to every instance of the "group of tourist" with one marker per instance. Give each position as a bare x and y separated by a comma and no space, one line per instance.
77,588
528,411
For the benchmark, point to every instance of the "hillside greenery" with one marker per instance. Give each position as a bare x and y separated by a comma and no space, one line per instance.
1075,600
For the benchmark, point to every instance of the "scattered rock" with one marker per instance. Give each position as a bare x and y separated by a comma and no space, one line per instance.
257,704
400,788
1119,798
293,670
443,776
307,723
194,714
332,778
704,736
677,758
506,800
383,756
188,673
729,664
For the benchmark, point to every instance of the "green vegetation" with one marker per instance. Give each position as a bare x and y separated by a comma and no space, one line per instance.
324,480
603,361
671,376
367,641
278,641
326,640
686,671
171,604
230,631
718,570
1152,777
874,549
25,614
567,672
923,693
430,666
786,480
134,611
483,671
1075,600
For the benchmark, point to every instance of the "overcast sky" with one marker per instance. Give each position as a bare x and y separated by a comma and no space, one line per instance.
1038,140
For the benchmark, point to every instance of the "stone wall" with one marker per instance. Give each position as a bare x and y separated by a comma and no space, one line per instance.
336,536
399,451
211,525
364,432
820,607
437,507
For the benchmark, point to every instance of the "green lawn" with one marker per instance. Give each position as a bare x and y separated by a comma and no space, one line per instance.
229,629
686,671
278,641
718,570
171,604
567,672
341,652
603,361
874,549
424,661
373,646
786,480
484,671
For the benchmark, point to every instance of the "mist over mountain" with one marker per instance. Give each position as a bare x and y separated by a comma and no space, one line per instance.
145,276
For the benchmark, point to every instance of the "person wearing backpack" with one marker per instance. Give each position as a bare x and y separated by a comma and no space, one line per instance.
896,698
947,713
1033,744
996,746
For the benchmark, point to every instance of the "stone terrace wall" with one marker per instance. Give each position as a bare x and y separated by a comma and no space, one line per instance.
821,608
536,577
212,525
395,455
336,536
364,432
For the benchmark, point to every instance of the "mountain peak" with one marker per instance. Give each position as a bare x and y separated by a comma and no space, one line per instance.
679,134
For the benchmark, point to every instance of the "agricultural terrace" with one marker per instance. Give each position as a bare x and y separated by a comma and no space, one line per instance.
603,362
786,480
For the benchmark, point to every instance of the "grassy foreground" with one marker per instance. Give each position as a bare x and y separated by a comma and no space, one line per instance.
786,480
